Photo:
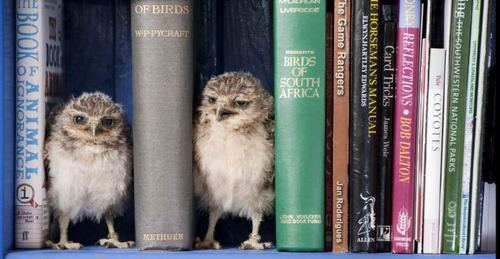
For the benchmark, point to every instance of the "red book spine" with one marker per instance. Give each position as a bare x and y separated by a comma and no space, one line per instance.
405,125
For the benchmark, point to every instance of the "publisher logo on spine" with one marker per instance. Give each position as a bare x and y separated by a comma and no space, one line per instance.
403,221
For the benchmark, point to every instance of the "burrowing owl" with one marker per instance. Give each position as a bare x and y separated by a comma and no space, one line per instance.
234,154
88,154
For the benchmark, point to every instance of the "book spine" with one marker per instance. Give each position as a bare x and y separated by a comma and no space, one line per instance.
470,112
420,131
478,133
3,128
488,236
162,72
459,59
448,9
434,139
341,86
329,129
7,125
405,123
38,71
364,126
300,124
384,212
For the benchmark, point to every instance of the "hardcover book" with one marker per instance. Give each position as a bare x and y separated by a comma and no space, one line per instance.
38,83
459,62
388,59
162,72
405,126
7,127
300,124
341,89
329,128
364,145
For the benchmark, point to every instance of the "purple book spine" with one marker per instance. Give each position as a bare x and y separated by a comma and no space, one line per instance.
405,125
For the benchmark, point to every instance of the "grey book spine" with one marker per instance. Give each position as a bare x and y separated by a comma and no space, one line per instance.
162,61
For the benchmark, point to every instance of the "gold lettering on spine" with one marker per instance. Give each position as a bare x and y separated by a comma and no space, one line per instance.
162,9
163,236
373,68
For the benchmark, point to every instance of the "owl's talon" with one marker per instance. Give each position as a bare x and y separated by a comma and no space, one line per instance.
255,244
63,246
115,243
207,244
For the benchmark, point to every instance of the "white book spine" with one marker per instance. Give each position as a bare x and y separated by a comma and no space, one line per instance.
433,149
470,109
38,72
422,105
478,132
489,228
446,45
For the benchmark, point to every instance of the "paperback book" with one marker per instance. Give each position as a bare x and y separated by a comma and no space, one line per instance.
459,62
470,113
405,126
477,154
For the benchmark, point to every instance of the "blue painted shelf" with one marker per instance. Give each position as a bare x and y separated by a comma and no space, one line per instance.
233,36
103,253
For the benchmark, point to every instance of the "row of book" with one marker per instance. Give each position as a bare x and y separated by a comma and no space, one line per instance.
406,88
396,165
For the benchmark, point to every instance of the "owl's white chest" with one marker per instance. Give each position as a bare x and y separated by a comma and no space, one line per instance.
87,182
235,168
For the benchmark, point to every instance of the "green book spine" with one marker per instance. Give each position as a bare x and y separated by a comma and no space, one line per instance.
469,125
299,55
459,62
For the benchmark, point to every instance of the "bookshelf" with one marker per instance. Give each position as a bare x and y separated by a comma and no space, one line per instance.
93,252
232,36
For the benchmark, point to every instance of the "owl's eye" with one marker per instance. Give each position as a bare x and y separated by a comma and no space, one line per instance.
80,120
107,122
240,103
212,100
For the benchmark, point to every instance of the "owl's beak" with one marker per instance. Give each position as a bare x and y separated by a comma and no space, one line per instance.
222,113
93,128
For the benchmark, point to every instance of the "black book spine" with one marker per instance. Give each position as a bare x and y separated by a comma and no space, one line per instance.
364,145
388,61
329,129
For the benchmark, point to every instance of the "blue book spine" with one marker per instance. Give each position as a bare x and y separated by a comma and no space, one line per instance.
6,126
2,136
